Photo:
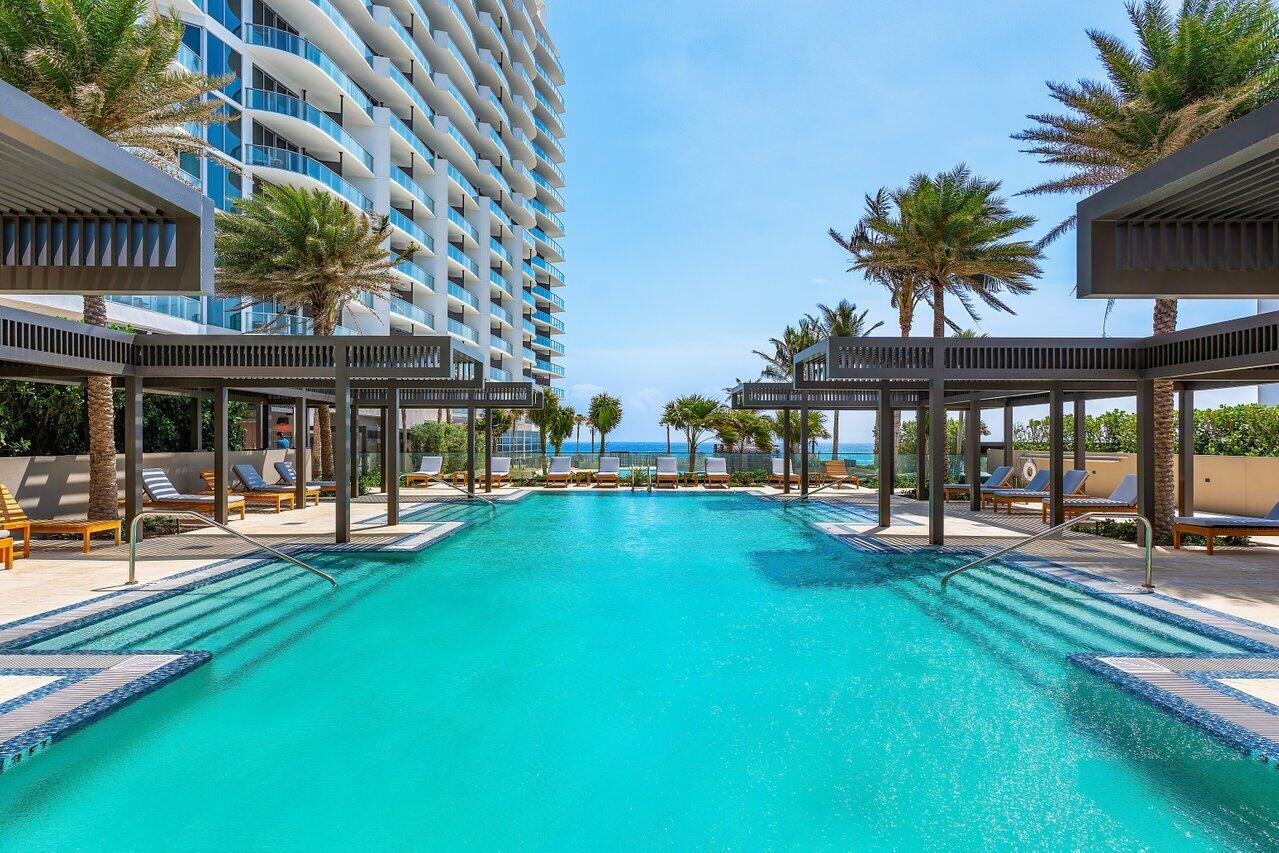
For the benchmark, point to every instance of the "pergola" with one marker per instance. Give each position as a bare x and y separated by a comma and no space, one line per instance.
347,373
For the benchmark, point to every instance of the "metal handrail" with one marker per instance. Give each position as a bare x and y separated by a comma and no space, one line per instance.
468,495
1145,523
190,513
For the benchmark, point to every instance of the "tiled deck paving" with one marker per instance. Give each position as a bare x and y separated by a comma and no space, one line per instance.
46,695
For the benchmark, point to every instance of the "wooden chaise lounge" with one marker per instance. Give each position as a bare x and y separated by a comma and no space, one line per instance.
837,473
271,499
1210,528
14,519
161,494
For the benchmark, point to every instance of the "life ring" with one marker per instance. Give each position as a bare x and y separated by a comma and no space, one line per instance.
1028,469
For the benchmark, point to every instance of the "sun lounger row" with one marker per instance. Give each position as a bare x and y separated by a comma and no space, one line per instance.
430,470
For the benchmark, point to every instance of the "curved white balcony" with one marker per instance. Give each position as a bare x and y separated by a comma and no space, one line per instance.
282,165
307,125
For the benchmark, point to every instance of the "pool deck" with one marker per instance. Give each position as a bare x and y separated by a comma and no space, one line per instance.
1235,593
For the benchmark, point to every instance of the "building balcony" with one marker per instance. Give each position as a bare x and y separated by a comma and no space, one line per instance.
499,344
499,281
412,229
549,270
463,295
464,225
548,343
497,374
463,331
546,245
288,163
500,250
274,39
548,320
500,313
310,115
548,367
416,273
415,143
412,312
547,218
415,191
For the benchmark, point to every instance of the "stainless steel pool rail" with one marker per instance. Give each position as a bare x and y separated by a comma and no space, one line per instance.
190,513
470,497
1079,519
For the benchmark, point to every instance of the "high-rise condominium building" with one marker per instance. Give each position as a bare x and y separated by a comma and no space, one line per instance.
444,115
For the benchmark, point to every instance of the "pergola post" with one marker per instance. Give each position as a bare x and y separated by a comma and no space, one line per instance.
921,454
197,423
786,451
972,454
1008,433
1056,454
132,449
221,437
803,450
1186,452
299,451
887,474
1146,448
488,451
385,413
1081,438
470,450
936,462
342,450
391,463
355,450
264,425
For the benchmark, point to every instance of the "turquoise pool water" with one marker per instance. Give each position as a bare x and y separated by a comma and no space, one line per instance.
603,671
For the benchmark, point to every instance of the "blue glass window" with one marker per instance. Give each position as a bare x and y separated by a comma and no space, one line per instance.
226,13
224,186
222,61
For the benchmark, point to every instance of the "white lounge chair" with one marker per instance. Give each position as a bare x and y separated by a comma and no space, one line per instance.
610,472
667,472
161,494
716,472
561,472
500,469
778,473
427,470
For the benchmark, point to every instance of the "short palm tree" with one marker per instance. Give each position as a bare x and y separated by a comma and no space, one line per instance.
561,427
605,413
955,234
739,429
579,420
304,250
503,421
108,64
780,363
842,321
1190,73
697,416
543,418
816,427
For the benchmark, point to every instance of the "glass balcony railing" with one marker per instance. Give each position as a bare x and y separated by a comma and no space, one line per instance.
406,86
544,101
447,85
496,139
399,220
462,141
415,142
182,307
461,60
463,330
545,212
548,367
497,278
542,293
402,179
407,309
539,234
189,59
416,273
344,26
558,389
523,75
527,268
460,221
549,343
550,269
498,343
545,186
501,252
289,43
496,174
527,325
497,374
463,294
529,355
293,161
423,64
547,161
499,312
544,317
461,19
287,105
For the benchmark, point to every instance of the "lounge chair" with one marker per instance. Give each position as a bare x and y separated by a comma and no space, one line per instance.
500,469
561,472
6,548
252,480
289,477
1122,499
716,473
1212,527
161,494
13,519
667,472
837,473
996,480
778,474
427,470
272,499
1072,483
610,472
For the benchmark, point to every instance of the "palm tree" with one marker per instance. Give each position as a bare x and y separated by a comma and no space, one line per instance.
503,421
780,364
304,250
543,418
842,321
697,415
578,421
741,428
667,420
605,414
816,427
1190,73
109,64
953,232
904,288
561,427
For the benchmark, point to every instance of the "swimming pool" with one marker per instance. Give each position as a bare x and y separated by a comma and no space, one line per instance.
627,670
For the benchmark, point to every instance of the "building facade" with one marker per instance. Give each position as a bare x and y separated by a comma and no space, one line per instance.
444,115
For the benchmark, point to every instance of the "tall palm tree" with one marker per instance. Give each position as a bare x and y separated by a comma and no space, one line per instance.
578,421
780,363
561,427
605,414
543,418
667,420
842,321
955,234
108,64
905,290
304,250
1190,73
696,415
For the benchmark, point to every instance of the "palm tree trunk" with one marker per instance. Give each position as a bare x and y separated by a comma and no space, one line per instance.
905,319
668,439
1165,481
603,438
834,433
692,449
324,421
103,489
939,309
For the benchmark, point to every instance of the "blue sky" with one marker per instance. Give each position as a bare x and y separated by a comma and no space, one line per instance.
710,146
